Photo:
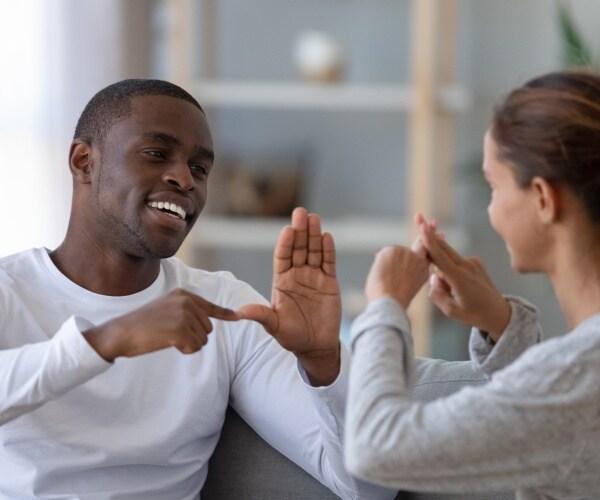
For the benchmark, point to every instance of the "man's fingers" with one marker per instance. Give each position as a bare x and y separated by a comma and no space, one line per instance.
315,248
214,311
300,226
203,323
328,264
282,256
261,314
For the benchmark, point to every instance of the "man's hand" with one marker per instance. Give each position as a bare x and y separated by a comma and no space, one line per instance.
180,320
305,312
462,289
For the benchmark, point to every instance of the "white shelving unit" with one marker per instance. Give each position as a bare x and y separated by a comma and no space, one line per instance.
354,234
430,99
391,98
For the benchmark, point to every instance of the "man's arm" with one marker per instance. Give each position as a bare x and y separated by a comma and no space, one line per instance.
33,374
295,397
36,373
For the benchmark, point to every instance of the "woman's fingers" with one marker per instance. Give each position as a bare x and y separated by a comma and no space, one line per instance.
418,247
440,252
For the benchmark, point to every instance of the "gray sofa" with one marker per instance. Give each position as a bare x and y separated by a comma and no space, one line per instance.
244,467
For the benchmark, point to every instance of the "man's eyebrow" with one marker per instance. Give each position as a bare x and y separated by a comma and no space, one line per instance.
206,153
169,139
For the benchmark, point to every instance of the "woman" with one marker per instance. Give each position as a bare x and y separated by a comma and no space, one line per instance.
535,426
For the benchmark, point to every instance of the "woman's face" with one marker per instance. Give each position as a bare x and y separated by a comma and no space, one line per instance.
512,211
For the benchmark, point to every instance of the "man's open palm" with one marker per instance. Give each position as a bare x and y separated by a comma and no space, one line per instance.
305,309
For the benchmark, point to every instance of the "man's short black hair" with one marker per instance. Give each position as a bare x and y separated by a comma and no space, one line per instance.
114,102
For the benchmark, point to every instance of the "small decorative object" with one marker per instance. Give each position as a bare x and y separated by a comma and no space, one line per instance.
259,188
318,57
263,193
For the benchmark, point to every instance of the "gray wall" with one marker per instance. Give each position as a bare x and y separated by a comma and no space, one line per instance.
355,161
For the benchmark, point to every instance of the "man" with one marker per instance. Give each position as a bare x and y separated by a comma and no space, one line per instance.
117,362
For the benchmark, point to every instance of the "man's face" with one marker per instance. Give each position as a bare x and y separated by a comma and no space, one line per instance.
149,182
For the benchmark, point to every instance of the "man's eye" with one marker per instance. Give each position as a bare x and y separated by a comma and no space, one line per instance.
199,170
156,153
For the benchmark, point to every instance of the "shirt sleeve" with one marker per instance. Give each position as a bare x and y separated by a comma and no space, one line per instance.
304,423
36,373
530,414
523,331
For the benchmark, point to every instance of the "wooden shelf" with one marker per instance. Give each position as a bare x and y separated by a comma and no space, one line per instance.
341,97
430,98
355,234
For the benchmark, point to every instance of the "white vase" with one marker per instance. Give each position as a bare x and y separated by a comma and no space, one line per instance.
318,57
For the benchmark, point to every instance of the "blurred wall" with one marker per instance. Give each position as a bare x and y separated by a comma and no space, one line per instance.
354,162
55,56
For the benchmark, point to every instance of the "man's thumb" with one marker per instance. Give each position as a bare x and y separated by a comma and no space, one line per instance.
261,314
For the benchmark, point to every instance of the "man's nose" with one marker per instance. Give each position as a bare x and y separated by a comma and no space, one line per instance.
179,175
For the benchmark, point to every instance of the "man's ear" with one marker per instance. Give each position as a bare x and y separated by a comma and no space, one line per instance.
547,200
80,161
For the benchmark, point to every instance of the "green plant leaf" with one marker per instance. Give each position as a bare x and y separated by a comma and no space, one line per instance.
575,51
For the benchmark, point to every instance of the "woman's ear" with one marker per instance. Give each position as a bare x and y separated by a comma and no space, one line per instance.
80,161
547,200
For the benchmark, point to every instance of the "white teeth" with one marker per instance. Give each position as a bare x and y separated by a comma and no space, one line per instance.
169,206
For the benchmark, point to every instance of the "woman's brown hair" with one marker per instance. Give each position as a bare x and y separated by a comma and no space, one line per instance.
550,128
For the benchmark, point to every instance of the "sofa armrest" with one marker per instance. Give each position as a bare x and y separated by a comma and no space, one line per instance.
245,467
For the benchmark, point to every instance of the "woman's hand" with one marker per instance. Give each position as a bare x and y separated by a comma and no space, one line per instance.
397,272
461,287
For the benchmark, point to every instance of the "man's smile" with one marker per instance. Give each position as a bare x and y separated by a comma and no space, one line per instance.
168,208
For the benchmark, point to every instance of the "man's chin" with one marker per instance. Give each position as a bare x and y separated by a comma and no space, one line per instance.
159,250
165,253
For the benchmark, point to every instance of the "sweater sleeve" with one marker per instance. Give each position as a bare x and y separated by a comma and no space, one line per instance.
523,331
531,415
36,373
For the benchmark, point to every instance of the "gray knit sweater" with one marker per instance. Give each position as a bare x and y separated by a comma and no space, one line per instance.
534,427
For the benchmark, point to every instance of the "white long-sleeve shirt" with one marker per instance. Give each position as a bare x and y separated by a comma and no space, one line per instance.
73,426
535,427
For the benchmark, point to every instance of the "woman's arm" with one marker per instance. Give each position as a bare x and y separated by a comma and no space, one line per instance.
519,430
